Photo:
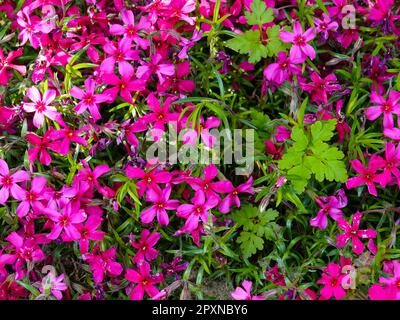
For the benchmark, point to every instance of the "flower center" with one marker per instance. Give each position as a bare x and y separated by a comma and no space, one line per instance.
64,221
88,98
40,106
235,193
7,181
300,40
160,205
333,282
198,210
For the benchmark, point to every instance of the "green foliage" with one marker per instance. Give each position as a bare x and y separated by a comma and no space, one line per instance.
252,42
257,226
259,14
311,155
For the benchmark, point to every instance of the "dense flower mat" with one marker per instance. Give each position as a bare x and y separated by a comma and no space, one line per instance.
92,209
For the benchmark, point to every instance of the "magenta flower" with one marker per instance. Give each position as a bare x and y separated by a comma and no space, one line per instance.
190,137
207,186
319,88
282,70
131,30
149,180
176,83
390,289
387,107
91,177
88,231
8,183
41,106
89,99
325,25
161,203
380,10
66,221
392,159
121,55
123,86
160,115
32,198
233,199
6,63
64,137
24,251
41,146
245,292
300,49
174,267
144,71
144,281
353,233
332,279
368,175
103,264
145,246
329,205
199,210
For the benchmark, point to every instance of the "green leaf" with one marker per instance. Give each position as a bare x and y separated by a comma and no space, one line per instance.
259,14
256,227
311,155
250,243
249,43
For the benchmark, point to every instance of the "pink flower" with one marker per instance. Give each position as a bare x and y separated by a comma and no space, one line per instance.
130,30
325,25
392,159
245,292
6,63
54,284
300,49
282,134
199,210
209,140
282,70
319,88
207,186
145,246
380,10
88,231
123,86
32,198
329,205
154,66
41,146
368,175
144,281
41,106
24,251
332,279
353,233
64,137
177,83
390,289
91,177
90,100
103,264
161,203
149,180
8,183
119,55
387,107
233,199
66,221
160,115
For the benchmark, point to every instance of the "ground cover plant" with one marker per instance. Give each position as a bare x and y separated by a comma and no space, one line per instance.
212,149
